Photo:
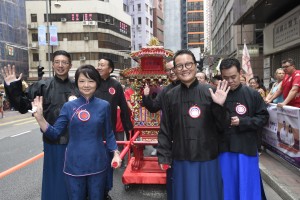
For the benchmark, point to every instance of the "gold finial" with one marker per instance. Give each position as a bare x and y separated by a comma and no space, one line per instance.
153,42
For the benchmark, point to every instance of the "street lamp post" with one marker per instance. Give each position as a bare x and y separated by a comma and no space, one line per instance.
48,37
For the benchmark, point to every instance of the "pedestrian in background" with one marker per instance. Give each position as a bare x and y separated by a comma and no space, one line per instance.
189,131
55,91
279,75
289,86
238,145
257,85
88,119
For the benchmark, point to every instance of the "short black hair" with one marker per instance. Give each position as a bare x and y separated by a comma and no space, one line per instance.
289,60
181,52
230,62
110,63
63,53
88,71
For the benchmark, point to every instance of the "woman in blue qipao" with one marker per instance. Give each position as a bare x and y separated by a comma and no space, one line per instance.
88,120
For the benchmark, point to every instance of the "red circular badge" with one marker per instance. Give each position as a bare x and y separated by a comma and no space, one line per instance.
84,115
240,109
194,112
112,91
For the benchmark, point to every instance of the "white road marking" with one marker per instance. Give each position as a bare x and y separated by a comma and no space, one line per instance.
20,134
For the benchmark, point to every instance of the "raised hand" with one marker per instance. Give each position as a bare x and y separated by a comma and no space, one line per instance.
221,92
146,90
37,107
9,74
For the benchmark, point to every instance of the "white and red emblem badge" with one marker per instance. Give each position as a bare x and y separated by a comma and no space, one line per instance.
112,91
194,112
240,109
84,115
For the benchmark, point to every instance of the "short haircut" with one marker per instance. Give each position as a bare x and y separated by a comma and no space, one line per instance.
205,77
279,70
88,71
230,62
289,60
63,53
110,63
181,52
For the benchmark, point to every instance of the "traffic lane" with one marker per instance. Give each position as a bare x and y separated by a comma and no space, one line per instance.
24,184
19,148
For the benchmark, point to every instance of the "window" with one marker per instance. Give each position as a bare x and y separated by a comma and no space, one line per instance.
34,37
147,21
147,7
151,11
139,7
132,7
35,57
33,17
151,24
139,20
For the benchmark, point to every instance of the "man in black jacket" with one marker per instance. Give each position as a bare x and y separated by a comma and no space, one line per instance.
55,91
238,145
188,138
154,105
112,91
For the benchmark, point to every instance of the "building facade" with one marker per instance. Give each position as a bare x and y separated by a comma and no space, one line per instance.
13,39
88,31
141,12
228,37
278,23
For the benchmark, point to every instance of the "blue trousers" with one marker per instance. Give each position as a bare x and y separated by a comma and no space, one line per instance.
93,185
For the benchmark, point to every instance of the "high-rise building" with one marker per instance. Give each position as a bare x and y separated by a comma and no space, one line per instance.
13,39
88,30
173,25
158,21
141,12
187,25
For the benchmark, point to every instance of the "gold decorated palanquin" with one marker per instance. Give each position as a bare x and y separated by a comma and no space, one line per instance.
151,70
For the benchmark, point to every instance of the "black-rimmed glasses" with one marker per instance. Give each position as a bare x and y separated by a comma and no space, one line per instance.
187,65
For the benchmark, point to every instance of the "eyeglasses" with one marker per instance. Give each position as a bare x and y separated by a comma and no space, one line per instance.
63,63
169,70
188,65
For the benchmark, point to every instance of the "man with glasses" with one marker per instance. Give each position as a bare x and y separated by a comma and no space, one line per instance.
154,105
188,138
55,91
289,86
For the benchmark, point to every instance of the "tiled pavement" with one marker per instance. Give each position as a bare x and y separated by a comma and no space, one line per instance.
283,178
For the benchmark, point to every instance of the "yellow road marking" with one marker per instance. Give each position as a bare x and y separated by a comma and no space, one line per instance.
11,122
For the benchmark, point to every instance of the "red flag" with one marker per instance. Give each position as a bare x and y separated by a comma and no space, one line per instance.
246,65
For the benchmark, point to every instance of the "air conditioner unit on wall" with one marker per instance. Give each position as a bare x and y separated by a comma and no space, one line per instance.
85,23
63,19
92,23
107,20
34,45
82,58
86,38
32,26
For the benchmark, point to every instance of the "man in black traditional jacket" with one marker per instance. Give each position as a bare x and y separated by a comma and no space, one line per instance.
158,103
112,91
55,91
238,145
189,131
